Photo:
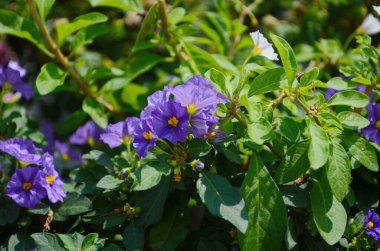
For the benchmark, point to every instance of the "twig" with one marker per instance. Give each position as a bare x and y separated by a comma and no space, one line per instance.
307,109
164,18
63,61
301,180
278,100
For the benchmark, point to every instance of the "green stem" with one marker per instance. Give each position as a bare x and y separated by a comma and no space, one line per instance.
349,40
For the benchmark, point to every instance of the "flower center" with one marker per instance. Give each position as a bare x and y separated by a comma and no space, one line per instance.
27,186
127,139
191,109
50,179
91,141
173,121
257,51
65,157
377,125
370,225
148,135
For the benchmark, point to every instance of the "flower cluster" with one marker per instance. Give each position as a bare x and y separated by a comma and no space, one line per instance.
29,185
11,74
171,114
372,224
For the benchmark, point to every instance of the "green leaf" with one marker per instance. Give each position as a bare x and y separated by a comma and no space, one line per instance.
127,5
319,146
349,98
149,175
50,77
44,7
133,236
329,215
202,59
9,211
290,128
147,28
47,242
133,95
352,120
72,122
41,209
65,29
171,230
362,151
268,81
75,204
260,131
100,158
338,171
109,182
199,147
295,196
294,164
308,77
267,215
12,24
95,111
92,243
87,36
222,200
113,220
218,79
287,57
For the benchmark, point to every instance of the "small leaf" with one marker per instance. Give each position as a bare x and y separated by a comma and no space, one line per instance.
127,5
95,111
349,98
287,57
319,146
47,242
361,150
268,81
75,204
65,29
199,147
149,175
218,79
147,28
338,171
260,131
109,182
308,77
44,7
329,215
266,209
50,77
352,120
295,163
222,200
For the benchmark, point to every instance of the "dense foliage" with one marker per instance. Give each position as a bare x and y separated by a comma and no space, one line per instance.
153,125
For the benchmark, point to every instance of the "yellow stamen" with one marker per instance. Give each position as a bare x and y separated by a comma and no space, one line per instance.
377,125
148,135
27,186
50,179
127,139
23,164
173,121
65,157
191,109
370,225
91,141
257,51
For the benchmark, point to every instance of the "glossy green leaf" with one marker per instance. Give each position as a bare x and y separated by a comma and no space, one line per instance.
147,28
349,98
109,182
128,5
44,7
133,236
362,151
50,77
294,164
222,200
199,148
266,209
218,79
12,24
149,175
308,77
328,213
338,171
260,131
47,242
65,29
288,58
352,120
95,111
268,81
75,204
319,146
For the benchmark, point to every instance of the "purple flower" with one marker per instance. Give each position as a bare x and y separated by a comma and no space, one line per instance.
200,99
372,132
66,153
144,137
86,134
15,66
24,187
155,100
372,224
171,121
47,130
12,77
199,165
120,132
49,179
23,150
